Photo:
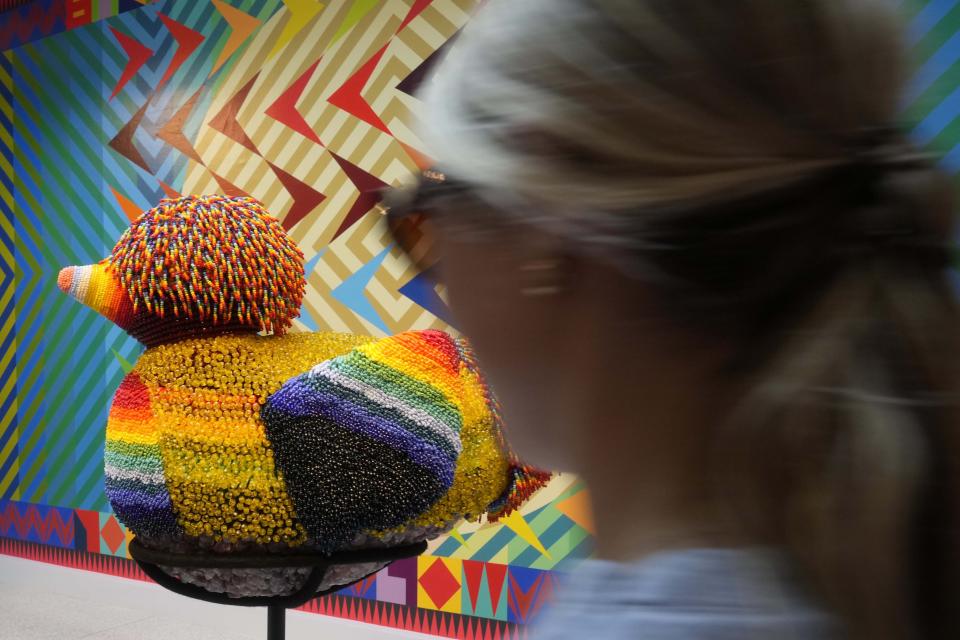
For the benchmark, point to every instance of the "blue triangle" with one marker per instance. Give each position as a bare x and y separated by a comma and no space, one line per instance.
305,317
422,290
311,264
352,292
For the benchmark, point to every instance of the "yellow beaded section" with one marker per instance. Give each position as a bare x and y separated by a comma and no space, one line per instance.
481,474
205,396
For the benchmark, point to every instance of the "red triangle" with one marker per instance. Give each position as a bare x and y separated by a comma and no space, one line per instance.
364,181
473,575
172,131
226,121
305,197
188,41
496,574
369,187
228,188
284,109
122,143
415,10
349,96
137,56
170,191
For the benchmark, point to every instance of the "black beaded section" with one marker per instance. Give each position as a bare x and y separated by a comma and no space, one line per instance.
343,483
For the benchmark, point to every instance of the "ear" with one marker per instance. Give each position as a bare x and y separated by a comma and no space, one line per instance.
98,287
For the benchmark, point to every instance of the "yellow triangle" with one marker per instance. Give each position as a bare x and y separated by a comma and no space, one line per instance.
455,534
301,13
358,10
242,25
516,523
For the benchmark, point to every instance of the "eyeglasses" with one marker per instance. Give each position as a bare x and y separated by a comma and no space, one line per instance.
411,215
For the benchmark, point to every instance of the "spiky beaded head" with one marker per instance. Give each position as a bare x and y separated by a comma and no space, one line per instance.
212,258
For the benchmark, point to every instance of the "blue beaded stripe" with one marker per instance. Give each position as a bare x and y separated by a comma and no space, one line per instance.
304,396
413,417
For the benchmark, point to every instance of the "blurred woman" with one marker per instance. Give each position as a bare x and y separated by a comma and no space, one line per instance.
704,269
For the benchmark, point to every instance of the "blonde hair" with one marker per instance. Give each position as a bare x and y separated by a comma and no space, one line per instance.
653,127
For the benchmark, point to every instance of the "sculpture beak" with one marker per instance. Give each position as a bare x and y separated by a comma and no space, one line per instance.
96,286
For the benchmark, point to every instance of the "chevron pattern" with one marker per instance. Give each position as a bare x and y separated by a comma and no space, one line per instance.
51,526
9,432
61,443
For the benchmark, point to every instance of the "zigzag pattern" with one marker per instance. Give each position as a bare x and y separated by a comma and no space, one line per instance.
51,526
61,418
436,623
32,21
9,433
341,73
98,563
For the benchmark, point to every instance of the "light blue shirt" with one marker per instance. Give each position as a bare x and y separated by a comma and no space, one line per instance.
695,594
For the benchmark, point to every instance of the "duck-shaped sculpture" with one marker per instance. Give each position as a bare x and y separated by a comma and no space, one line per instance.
231,435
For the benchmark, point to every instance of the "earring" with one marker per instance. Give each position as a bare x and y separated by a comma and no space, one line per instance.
543,276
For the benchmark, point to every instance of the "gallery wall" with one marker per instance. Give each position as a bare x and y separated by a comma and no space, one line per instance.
106,106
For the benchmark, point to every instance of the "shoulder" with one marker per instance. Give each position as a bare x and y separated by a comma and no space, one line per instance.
703,594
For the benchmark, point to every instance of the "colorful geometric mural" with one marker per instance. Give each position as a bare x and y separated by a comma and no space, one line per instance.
106,106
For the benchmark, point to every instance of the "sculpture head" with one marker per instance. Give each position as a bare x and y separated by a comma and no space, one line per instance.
195,265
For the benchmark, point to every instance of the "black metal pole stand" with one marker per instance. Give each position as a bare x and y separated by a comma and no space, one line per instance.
150,562
276,622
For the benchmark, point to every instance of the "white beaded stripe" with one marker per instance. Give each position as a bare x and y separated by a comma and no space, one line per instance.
381,397
116,473
81,282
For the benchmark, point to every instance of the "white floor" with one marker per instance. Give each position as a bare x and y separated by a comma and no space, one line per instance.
45,602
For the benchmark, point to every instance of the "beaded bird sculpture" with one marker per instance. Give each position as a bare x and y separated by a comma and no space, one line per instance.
231,436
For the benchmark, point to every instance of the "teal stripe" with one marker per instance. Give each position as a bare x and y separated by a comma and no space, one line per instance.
401,386
138,453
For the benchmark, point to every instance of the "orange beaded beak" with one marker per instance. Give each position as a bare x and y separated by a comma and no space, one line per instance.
98,287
